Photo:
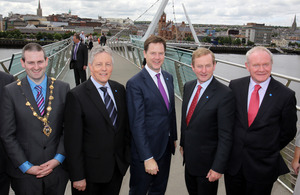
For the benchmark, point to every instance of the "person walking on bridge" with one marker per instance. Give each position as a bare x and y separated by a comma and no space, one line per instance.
265,122
79,60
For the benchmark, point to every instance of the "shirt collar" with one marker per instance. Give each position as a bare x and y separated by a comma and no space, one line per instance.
264,85
98,85
205,84
151,72
32,84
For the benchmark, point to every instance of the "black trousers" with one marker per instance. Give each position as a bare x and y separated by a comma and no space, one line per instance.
111,188
199,185
238,185
4,183
79,74
142,182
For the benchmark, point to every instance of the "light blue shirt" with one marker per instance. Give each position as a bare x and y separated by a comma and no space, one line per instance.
27,165
204,86
261,92
101,93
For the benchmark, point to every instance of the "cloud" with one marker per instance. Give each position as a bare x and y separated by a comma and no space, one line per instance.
271,12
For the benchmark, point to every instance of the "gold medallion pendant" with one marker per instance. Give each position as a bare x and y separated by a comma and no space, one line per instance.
47,130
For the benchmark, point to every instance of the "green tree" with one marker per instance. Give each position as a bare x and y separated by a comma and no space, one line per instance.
50,36
57,36
109,33
236,42
250,43
39,36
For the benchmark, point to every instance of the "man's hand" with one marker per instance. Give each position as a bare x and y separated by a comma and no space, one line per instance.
151,166
181,150
213,176
34,170
47,168
84,67
80,185
295,165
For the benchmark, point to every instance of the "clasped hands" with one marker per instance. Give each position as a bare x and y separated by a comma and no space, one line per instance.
44,169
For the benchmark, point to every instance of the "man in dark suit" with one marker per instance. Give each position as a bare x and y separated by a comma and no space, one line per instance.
4,178
32,127
265,123
206,126
151,108
97,136
79,60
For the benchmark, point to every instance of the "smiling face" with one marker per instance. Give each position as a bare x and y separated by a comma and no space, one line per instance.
155,56
203,67
35,65
101,67
259,66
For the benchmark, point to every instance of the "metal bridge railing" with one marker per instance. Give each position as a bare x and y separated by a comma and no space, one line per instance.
178,64
58,57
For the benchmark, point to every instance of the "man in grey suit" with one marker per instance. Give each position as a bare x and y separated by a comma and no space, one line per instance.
4,178
31,127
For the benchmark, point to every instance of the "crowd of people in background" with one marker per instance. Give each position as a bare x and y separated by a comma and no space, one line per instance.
92,133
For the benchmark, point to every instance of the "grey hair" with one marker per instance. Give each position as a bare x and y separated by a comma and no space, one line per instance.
100,49
258,48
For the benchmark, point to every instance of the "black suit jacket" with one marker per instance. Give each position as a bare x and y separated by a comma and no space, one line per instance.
21,132
4,80
207,139
92,144
256,149
82,56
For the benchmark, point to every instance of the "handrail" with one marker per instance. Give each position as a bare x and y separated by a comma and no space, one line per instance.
182,73
58,57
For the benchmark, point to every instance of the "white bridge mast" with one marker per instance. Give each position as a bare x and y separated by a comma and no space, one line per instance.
155,20
191,27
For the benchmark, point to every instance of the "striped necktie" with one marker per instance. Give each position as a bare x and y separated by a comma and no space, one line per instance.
40,99
109,104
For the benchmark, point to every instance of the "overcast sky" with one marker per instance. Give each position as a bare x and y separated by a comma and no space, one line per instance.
269,12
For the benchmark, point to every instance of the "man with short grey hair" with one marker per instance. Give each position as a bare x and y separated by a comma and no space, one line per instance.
97,133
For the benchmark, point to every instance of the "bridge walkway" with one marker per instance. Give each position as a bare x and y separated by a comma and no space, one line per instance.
124,70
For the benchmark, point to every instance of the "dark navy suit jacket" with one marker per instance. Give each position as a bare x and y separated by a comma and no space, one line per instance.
151,123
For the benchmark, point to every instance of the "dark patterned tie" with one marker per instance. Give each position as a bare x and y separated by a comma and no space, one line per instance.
110,106
40,99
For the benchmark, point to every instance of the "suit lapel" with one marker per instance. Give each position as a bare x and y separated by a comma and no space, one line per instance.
244,99
29,95
97,100
187,96
152,86
206,96
267,99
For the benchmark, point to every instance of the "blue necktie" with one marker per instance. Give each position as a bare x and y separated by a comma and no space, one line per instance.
110,106
40,99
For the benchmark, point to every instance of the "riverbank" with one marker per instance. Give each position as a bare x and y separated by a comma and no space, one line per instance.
20,43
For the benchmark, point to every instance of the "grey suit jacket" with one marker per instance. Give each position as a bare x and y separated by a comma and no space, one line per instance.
21,132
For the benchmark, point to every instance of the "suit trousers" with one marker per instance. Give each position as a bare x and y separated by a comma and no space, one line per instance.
4,183
79,74
198,185
238,185
141,182
53,184
111,188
